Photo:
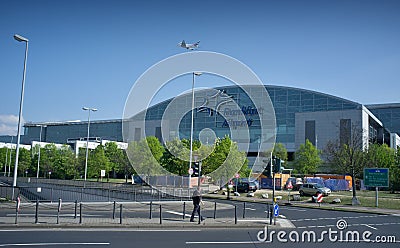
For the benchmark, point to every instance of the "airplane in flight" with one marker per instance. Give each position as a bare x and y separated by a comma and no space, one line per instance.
189,46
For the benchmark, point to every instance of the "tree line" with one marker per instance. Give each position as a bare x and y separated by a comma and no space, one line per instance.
62,163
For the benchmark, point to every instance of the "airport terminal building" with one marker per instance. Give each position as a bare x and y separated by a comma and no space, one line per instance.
300,115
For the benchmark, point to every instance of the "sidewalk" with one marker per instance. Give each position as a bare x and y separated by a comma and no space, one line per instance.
9,222
134,215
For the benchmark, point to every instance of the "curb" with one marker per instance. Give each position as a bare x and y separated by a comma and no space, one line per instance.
280,223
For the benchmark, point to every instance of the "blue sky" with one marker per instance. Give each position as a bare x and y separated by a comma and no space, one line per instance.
90,53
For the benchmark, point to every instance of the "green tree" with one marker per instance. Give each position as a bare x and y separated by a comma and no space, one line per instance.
171,158
280,151
226,160
118,160
382,156
146,155
24,161
64,163
47,158
396,170
97,161
307,158
4,159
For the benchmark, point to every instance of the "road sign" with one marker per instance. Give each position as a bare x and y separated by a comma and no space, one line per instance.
289,185
319,198
102,173
190,171
276,210
376,177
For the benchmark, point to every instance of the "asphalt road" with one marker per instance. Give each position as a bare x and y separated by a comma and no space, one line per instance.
169,238
313,228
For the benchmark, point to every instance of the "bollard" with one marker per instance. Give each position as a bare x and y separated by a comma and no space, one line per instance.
113,214
200,217
80,213
270,212
17,209
151,209
215,210
36,212
235,214
184,210
120,214
160,214
76,207
58,210
244,210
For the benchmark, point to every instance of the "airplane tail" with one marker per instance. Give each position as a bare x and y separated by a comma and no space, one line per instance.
183,43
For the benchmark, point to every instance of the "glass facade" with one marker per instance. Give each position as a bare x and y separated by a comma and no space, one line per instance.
61,133
286,103
289,101
285,100
389,114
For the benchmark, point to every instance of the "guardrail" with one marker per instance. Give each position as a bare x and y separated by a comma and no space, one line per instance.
70,190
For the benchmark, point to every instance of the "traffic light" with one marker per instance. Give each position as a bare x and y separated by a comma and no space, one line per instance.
277,165
267,171
196,169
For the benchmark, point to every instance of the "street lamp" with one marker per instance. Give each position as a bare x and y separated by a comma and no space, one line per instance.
87,139
40,143
191,126
20,39
10,157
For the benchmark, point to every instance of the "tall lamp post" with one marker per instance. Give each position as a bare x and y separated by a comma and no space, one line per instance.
194,74
10,157
87,139
40,143
21,103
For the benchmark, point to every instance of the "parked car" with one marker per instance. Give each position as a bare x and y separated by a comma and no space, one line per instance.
245,180
296,183
313,189
246,187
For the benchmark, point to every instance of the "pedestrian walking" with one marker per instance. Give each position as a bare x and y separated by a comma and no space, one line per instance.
197,200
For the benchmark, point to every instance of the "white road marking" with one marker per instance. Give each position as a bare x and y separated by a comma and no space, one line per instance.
51,244
294,209
252,209
370,226
225,242
178,213
356,224
252,220
100,230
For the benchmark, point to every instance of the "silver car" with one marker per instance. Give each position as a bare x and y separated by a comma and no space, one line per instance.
314,189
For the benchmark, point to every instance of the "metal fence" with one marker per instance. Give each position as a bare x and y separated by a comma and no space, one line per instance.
129,213
71,190
167,187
